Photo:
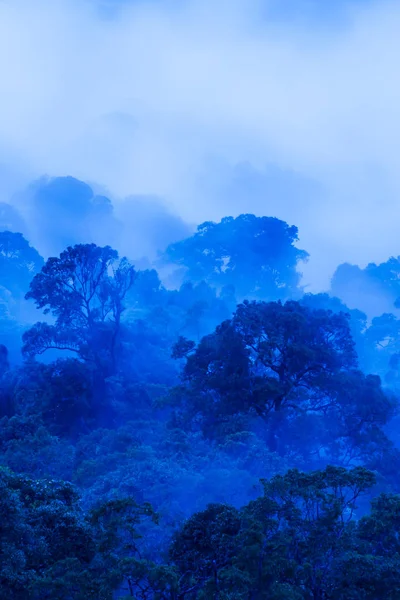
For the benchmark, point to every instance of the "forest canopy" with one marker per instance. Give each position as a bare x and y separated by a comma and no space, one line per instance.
196,426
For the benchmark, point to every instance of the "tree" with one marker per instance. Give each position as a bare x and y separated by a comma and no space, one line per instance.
4,363
204,547
294,348
270,356
84,289
287,544
19,262
51,548
382,343
357,321
182,348
256,255
295,369
374,289
45,544
371,569
120,563
63,211
147,289
64,397
294,533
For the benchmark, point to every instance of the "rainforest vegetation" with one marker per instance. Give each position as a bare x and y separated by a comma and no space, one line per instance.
194,426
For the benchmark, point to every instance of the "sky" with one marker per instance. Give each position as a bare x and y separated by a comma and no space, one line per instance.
284,108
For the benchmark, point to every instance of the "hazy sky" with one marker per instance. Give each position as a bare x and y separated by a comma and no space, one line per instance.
287,108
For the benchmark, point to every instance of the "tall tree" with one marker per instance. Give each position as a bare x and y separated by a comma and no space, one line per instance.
269,356
84,289
293,367
257,255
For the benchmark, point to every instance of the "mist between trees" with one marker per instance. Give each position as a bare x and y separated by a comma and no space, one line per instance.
194,426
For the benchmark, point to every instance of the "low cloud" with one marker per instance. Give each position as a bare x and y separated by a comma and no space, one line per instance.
172,99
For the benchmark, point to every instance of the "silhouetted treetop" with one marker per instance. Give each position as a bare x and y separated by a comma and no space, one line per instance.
268,352
84,289
257,255
19,262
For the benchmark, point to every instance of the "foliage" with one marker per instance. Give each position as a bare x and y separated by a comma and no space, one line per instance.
169,444
87,302
19,262
256,255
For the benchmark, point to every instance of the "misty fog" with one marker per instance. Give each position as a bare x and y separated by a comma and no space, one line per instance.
199,300
170,99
